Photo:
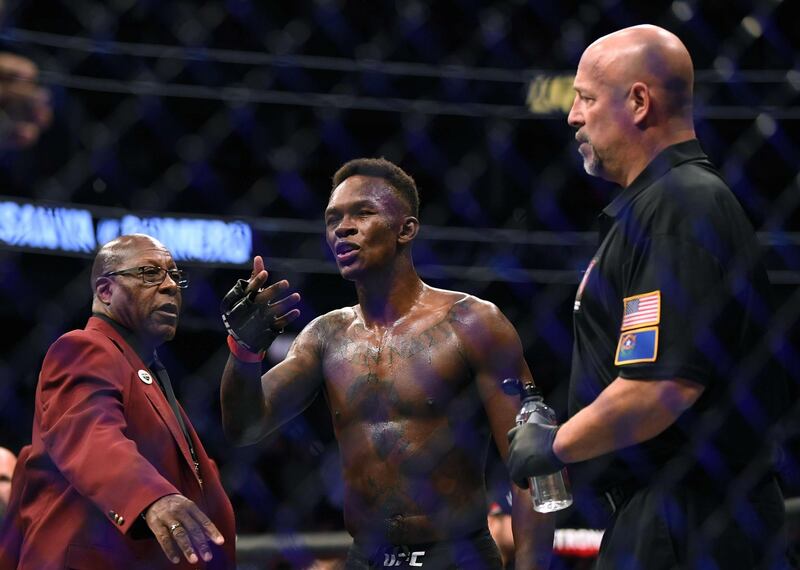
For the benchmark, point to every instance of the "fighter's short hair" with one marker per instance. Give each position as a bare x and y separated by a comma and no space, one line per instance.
395,177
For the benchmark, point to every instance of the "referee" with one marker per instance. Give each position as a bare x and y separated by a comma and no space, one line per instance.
672,389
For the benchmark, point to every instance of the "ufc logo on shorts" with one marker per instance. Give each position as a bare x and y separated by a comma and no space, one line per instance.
402,556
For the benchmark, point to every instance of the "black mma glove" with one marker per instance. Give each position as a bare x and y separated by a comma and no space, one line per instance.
248,322
530,452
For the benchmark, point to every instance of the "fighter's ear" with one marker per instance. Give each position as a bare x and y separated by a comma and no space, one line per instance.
639,101
409,230
102,289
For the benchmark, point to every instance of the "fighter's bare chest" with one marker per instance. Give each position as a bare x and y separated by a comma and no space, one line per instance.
397,368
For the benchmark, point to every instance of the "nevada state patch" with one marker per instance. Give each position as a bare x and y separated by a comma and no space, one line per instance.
637,346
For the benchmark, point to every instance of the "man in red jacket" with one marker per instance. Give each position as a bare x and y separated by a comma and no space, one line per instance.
116,476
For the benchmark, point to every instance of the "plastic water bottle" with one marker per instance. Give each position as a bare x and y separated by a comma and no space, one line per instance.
549,492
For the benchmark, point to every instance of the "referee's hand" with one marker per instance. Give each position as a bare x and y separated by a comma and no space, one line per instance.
530,452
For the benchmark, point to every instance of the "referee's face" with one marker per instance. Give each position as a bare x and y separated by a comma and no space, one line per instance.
600,117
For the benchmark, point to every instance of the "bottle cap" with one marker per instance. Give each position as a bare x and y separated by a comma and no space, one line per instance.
512,386
530,391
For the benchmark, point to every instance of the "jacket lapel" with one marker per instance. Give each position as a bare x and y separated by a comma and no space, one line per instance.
159,402
152,390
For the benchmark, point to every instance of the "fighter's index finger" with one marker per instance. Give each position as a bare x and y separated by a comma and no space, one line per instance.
258,265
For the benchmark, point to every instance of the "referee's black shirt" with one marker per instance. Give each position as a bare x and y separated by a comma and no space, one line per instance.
677,290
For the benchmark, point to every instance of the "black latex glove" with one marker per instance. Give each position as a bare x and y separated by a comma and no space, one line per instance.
248,322
530,452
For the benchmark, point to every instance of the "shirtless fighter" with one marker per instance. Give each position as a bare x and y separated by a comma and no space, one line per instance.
411,375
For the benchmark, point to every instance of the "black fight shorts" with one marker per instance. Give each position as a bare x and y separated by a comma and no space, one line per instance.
473,552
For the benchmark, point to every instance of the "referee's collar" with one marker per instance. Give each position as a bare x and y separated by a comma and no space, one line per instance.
664,161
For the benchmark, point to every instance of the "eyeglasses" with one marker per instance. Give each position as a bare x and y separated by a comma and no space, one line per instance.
152,275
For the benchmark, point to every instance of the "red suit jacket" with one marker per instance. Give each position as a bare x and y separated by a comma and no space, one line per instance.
105,445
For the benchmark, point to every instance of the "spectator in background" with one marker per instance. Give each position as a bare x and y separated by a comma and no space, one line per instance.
11,524
7,462
25,109
674,387
499,521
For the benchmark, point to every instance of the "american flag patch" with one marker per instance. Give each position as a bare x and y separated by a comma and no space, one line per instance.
641,310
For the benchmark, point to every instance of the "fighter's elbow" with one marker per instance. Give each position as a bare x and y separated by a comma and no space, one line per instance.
242,434
233,432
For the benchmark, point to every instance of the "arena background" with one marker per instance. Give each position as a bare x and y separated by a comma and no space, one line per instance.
243,110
